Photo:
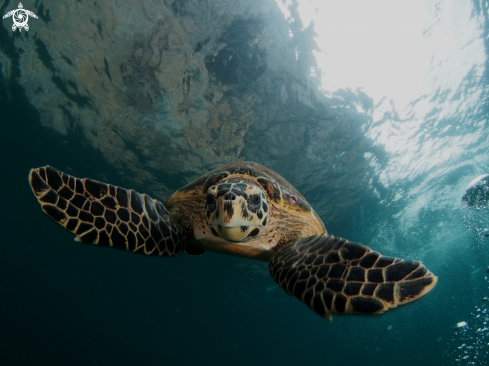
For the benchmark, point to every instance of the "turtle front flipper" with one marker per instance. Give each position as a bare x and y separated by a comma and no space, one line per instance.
105,215
333,275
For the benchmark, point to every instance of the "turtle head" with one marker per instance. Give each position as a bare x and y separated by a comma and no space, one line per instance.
236,210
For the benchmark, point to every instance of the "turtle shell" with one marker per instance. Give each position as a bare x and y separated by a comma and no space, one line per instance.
279,191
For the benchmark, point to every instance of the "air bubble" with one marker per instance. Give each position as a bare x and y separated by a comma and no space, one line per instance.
471,342
475,206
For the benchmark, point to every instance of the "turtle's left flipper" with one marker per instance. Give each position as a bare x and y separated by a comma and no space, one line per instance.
106,215
333,275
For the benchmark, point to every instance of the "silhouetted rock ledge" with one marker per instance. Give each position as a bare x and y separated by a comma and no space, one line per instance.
180,87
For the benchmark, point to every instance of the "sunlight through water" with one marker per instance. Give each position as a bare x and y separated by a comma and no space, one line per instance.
423,64
413,58
401,50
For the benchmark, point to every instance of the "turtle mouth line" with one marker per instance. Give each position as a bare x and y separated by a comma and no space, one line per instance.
237,233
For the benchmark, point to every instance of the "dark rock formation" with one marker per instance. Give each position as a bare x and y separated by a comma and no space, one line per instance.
167,92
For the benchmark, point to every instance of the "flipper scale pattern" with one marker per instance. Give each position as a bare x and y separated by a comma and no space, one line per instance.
106,215
333,275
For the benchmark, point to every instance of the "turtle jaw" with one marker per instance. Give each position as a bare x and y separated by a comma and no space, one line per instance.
236,211
236,233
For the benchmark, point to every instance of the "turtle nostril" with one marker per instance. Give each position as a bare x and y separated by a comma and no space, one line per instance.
229,196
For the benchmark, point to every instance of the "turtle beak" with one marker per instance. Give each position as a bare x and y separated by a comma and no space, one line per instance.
232,221
232,212
228,212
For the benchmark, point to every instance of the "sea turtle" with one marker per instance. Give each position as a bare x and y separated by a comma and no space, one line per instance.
241,209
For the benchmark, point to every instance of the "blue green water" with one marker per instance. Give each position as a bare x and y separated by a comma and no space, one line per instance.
63,303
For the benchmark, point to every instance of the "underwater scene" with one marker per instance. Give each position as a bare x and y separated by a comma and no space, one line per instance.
278,123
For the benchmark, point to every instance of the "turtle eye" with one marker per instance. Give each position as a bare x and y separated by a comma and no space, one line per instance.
254,203
211,202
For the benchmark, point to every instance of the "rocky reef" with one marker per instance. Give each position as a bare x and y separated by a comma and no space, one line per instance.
171,89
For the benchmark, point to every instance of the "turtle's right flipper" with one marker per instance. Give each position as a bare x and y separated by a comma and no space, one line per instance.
333,275
105,215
